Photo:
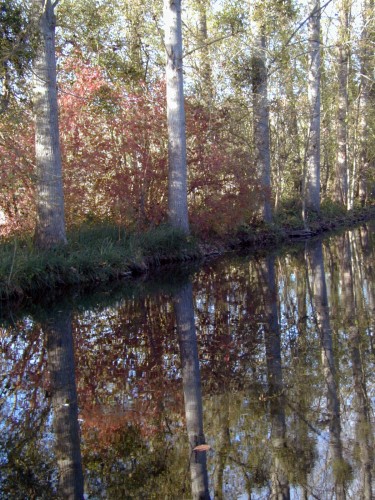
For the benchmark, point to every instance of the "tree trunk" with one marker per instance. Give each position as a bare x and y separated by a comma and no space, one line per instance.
261,119
341,180
312,174
177,181
50,223
184,310
367,68
205,73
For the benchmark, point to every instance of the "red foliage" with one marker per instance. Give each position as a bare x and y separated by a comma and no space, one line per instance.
16,174
114,147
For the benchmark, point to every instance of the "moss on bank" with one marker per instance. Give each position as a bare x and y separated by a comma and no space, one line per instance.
98,254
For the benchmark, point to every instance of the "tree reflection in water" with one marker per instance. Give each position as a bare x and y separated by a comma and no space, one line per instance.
318,290
276,396
63,394
191,381
283,388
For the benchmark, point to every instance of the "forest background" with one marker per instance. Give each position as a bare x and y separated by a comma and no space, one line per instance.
254,74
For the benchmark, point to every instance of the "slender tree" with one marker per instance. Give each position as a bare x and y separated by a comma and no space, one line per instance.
50,223
177,181
206,89
341,177
312,169
366,97
261,115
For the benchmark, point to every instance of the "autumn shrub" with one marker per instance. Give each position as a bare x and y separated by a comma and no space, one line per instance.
114,150
115,160
17,206
224,191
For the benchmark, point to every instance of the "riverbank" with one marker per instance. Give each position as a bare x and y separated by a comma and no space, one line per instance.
99,254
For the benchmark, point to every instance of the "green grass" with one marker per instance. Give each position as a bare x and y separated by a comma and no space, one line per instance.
101,253
94,254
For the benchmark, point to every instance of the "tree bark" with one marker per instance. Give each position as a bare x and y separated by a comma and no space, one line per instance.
312,174
177,181
367,68
341,184
261,119
206,90
50,223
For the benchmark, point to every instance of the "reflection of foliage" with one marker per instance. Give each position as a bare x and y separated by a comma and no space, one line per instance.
130,391
29,471
131,467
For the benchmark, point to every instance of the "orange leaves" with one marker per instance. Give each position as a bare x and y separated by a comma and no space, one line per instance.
202,447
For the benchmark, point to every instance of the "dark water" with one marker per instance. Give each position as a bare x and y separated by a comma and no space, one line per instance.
268,361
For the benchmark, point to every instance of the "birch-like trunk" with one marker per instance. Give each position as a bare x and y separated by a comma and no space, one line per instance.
261,119
367,68
177,180
50,222
184,310
312,169
205,74
65,407
341,180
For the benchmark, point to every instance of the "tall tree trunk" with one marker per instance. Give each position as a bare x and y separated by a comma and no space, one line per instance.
321,312
205,73
177,181
279,478
312,173
50,223
261,119
341,180
367,68
65,407
184,310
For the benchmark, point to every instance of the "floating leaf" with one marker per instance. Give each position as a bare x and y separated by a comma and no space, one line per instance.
202,447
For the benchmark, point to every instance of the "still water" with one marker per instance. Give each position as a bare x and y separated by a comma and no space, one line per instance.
263,362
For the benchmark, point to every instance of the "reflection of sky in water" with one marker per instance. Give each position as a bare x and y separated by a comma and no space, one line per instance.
128,367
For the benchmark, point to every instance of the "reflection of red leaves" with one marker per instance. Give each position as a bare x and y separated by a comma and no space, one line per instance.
202,447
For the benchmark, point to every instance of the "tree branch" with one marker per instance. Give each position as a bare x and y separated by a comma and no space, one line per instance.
211,42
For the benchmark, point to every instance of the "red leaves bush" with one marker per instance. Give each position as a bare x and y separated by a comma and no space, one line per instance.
115,165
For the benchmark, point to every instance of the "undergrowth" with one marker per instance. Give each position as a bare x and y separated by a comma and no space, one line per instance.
93,254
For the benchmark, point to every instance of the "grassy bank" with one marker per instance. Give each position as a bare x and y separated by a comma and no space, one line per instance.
94,254
98,254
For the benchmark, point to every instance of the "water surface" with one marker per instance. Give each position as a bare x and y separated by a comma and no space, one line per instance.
252,377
